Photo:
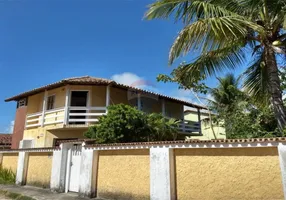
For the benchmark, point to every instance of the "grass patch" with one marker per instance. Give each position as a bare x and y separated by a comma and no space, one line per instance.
12,195
7,176
15,196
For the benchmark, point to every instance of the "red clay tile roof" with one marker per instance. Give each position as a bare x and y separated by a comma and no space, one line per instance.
5,138
88,80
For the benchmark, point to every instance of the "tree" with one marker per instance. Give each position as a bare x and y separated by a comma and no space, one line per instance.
223,31
124,123
241,115
226,94
162,128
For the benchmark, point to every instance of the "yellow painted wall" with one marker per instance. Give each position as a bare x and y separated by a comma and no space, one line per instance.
44,137
10,161
118,96
35,103
151,105
76,133
225,174
98,96
60,95
206,129
124,174
174,110
39,169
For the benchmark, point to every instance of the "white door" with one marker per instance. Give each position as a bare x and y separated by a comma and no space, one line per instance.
74,168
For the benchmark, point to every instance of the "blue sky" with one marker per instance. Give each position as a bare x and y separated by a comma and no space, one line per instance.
48,40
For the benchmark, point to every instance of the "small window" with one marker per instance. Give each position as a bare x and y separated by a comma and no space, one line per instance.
51,102
22,103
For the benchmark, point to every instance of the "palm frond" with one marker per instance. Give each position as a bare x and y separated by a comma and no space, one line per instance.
256,80
210,34
186,10
214,61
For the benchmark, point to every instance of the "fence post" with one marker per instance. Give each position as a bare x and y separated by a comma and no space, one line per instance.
59,166
88,172
162,174
282,160
22,166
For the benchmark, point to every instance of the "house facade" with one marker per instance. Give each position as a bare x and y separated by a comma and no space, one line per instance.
206,132
65,109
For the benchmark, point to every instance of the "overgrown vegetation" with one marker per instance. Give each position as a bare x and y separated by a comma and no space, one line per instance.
243,117
15,196
124,123
7,176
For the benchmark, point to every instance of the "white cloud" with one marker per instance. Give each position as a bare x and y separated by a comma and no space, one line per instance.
10,128
131,79
126,78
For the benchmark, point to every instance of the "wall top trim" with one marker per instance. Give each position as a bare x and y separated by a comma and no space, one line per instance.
48,149
228,143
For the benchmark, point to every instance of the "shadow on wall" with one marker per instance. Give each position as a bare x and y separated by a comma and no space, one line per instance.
122,196
39,184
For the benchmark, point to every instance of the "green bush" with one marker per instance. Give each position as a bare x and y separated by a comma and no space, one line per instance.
7,176
16,196
124,123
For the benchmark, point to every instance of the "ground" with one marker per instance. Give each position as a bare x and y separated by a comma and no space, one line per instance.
38,193
2,197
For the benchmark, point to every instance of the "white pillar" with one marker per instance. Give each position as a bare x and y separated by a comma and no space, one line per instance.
88,173
107,97
162,174
44,108
22,165
66,117
199,120
139,101
163,107
282,159
59,166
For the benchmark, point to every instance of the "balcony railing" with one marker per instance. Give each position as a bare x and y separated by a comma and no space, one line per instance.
86,116
75,115
188,126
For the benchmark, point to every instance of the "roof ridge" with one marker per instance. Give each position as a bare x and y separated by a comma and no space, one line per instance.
76,77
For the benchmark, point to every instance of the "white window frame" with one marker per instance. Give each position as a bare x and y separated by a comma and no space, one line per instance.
47,106
22,103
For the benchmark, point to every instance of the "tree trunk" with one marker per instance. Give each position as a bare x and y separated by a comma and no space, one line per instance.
275,89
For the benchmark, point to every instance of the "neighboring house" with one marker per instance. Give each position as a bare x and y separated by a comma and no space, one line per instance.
5,140
63,110
206,131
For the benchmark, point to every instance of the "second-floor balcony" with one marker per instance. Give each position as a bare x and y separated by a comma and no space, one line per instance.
74,116
74,106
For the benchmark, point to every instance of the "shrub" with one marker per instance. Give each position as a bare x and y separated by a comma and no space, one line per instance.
124,123
7,176
162,128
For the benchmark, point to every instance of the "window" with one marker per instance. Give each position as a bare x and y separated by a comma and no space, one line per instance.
21,103
50,102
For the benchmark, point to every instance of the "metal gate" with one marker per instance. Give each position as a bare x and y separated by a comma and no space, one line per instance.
73,169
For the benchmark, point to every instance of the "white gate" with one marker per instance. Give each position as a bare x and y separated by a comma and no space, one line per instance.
73,169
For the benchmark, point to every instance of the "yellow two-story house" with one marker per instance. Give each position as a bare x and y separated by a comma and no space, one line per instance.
63,110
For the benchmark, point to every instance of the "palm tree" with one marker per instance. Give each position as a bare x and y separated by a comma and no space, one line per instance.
226,94
225,32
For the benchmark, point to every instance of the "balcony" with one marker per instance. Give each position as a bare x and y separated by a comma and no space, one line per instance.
66,116
84,117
